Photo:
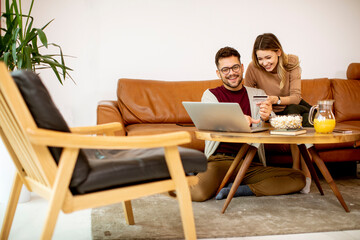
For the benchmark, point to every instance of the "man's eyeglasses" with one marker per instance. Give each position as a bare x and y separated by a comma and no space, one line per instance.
235,68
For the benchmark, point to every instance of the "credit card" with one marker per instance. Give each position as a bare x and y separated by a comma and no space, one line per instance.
259,99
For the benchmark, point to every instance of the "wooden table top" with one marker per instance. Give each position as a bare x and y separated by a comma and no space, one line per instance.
265,137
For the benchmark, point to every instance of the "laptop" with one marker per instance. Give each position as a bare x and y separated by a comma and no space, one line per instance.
224,117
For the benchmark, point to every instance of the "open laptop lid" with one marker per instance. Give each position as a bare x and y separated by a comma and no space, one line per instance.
225,117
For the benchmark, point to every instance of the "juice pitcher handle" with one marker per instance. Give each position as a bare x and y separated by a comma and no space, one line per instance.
311,114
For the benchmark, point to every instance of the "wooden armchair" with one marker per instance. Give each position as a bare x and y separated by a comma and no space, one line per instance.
86,167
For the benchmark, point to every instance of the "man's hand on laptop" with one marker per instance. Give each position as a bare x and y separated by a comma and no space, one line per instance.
250,120
265,109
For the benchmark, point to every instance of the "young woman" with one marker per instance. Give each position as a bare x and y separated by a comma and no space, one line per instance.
279,75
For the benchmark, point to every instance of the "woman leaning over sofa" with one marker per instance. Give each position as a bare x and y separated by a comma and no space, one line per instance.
279,75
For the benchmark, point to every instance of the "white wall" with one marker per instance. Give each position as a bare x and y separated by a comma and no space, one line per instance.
177,40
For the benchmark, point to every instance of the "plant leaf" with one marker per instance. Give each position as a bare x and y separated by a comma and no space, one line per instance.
19,60
27,58
56,73
29,13
6,58
62,59
2,45
18,17
8,37
28,29
29,37
14,53
7,7
47,24
42,36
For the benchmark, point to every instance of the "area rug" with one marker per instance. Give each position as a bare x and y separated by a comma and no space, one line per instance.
157,216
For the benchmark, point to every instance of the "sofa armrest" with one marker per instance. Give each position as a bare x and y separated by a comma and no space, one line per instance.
353,71
107,112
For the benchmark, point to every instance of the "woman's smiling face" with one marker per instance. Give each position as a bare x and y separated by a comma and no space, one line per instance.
268,59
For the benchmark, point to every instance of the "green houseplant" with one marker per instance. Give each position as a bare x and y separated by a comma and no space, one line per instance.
21,43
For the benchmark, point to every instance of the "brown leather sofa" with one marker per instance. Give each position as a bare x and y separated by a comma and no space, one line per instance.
148,106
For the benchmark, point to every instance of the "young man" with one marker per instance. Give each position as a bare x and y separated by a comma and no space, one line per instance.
259,180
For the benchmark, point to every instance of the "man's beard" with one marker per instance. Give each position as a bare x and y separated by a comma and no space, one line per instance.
228,84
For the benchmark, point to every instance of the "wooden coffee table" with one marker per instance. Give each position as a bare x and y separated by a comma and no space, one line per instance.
265,137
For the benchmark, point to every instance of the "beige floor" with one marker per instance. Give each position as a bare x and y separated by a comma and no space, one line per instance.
30,217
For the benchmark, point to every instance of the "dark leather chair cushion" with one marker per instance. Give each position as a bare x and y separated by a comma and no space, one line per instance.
111,168
100,169
47,116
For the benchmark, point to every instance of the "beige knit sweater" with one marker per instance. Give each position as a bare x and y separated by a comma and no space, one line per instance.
270,83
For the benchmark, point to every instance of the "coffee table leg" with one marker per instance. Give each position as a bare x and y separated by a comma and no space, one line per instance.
325,172
240,175
234,165
310,165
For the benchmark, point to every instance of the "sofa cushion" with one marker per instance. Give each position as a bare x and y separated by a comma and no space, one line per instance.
47,116
346,95
313,90
150,101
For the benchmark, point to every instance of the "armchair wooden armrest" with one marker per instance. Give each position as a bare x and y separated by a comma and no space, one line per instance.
108,129
74,140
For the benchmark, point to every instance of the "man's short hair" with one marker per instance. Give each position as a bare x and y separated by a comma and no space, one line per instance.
226,52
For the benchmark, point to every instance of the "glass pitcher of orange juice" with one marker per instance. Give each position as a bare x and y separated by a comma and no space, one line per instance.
324,119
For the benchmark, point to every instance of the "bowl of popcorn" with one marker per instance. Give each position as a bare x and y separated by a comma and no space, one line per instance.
292,121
